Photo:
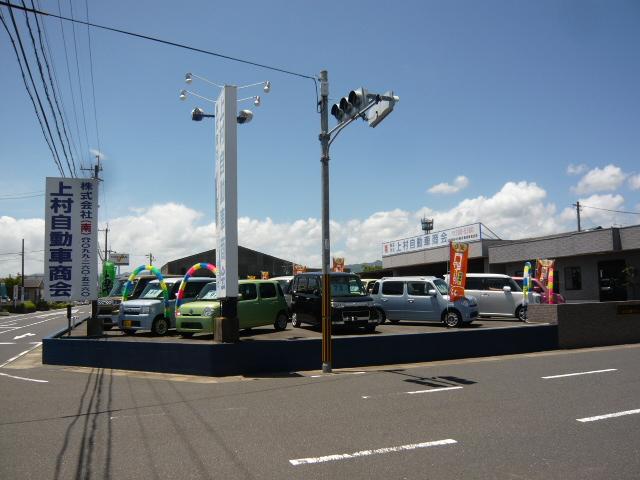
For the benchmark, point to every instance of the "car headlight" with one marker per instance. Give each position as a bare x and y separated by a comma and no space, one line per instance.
337,304
207,312
145,310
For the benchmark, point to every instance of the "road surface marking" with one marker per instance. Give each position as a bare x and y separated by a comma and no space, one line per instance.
20,355
23,378
25,335
335,373
416,391
580,373
25,326
138,416
366,453
7,343
609,415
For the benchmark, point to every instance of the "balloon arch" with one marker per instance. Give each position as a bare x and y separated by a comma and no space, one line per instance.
128,287
209,266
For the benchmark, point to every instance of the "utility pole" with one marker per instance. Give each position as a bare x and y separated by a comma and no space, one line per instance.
22,279
151,258
577,205
106,236
94,303
327,349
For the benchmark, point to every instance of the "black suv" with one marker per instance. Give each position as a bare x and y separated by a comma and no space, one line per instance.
350,305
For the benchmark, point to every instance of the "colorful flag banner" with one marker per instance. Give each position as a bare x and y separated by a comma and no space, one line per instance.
458,260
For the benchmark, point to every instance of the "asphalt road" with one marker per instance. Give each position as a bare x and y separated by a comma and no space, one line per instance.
502,417
20,333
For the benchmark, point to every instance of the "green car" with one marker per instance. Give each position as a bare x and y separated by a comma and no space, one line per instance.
260,302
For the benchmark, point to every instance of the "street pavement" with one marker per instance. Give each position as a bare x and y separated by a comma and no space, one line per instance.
20,333
551,415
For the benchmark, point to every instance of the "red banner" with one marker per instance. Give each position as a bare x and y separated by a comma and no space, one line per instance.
458,259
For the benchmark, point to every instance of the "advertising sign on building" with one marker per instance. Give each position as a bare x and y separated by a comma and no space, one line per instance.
264,275
458,259
71,239
467,233
119,258
543,267
299,269
227,193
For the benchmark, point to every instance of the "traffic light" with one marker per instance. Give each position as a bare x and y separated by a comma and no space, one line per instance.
350,105
382,108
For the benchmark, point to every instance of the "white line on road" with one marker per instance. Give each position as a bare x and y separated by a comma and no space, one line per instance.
25,326
7,343
138,416
366,453
24,336
609,415
24,378
333,374
580,373
430,390
20,355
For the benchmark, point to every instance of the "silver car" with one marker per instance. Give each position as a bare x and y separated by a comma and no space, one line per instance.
421,299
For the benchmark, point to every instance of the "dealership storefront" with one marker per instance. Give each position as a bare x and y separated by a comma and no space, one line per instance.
600,264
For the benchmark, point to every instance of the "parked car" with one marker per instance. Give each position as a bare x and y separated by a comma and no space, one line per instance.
260,302
540,288
109,306
421,299
147,312
285,284
368,283
350,305
497,295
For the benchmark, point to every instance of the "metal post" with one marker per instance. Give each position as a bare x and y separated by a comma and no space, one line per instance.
22,279
578,211
327,351
69,318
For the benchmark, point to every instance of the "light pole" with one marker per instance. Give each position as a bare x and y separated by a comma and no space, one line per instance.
372,108
226,120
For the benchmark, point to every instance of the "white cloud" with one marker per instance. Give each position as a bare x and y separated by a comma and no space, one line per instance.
634,182
576,169
598,179
460,183
171,231
596,211
97,153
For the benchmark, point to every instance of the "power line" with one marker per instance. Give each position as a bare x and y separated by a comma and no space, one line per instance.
75,47
609,210
46,89
93,86
54,86
173,44
21,197
73,95
48,140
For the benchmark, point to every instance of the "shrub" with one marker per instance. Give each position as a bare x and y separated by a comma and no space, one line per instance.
42,305
28,306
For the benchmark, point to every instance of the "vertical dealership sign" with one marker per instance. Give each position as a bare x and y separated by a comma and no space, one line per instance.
458,258
227,193
71,239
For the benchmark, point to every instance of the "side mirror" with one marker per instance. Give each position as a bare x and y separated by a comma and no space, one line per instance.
506,288
431,292
239,296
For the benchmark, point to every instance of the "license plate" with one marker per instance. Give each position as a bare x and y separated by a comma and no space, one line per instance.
127,323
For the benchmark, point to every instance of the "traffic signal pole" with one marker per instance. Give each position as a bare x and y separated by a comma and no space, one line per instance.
327,350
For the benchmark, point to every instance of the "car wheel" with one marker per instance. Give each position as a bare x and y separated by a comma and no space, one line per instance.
452,319
128,331
281,322
381,316
160,326
186,334
370,328
295,320
521,314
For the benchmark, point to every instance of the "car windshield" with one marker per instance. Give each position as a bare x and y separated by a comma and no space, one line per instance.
118,288
442,286
343,285
209,292
152,290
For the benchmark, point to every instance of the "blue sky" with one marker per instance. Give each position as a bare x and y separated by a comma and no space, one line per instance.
507,94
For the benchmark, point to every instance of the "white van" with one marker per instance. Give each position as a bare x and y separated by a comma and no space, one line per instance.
498,295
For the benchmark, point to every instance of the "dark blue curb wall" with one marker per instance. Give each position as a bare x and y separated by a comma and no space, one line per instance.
269,356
